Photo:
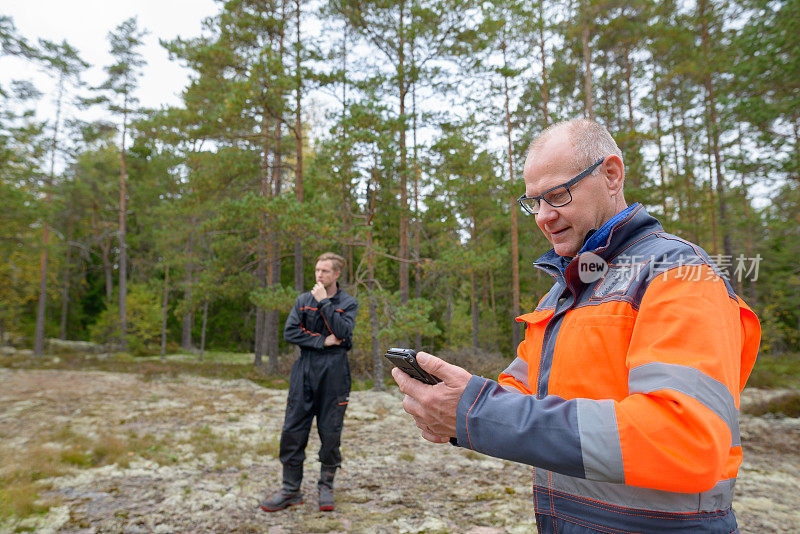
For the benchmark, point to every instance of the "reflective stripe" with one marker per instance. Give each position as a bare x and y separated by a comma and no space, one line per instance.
518,370
720,497
600,445
712,393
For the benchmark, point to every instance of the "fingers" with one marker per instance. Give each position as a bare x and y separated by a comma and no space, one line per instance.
406,384
450,374
412,407
433,407
432,364
434,438
318,291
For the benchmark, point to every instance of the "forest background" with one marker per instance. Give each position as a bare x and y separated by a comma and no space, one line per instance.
392,132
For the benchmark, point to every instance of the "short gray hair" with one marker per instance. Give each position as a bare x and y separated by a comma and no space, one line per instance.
590,141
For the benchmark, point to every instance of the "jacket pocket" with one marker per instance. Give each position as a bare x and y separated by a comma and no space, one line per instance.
590,356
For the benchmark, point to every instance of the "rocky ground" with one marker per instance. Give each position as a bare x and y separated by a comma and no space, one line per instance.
197,455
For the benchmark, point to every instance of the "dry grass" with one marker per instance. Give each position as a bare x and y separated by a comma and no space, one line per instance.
20,476
159,450
227,449
269,447
21,499
24,471
407,456
785,405
472,455
148,369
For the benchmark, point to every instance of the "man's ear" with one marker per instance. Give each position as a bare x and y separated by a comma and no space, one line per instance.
615,174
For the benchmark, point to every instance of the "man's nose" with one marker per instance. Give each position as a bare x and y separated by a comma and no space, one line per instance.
546,213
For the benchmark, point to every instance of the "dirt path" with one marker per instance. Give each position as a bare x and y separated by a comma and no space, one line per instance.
201,453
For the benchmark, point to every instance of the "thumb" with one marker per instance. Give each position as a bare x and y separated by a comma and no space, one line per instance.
448,373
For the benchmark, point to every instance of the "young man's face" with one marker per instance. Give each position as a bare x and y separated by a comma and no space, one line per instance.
325,274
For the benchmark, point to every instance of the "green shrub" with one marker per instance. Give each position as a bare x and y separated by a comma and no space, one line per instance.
143,312
776,370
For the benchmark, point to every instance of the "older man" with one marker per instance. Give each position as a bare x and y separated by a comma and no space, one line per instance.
624,394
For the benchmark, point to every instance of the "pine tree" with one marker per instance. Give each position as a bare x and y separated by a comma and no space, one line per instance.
64,61
117,93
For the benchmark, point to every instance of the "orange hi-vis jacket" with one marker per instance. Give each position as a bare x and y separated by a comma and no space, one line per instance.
624,394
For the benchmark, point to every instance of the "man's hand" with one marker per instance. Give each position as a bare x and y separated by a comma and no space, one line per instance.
433,407
331,340
319,292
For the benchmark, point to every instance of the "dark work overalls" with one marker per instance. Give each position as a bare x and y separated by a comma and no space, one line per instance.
319,384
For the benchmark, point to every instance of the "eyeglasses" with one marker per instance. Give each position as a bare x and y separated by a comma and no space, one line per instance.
557,196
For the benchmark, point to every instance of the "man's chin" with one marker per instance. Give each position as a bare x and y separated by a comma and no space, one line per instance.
564,249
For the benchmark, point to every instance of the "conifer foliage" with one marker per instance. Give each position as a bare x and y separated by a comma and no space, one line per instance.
392,132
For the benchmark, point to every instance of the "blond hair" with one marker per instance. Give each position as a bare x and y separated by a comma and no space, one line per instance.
337,261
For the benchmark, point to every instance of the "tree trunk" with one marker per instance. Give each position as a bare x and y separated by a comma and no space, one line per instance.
38,342
298,171
264,243
272,327
402,92
105,253
713,127
709,187
448,318
374,327
516,338
188,317
634,176
203,329
545,88
346,223
417,172
123,246
259,338
515,305
473,299
661,157
38,336
688,181
629,89
65,292
748,238
164,308
587,74
377,359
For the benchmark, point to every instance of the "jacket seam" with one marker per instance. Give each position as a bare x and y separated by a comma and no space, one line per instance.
624,510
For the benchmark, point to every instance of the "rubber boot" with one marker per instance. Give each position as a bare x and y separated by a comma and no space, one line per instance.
325,485
289,494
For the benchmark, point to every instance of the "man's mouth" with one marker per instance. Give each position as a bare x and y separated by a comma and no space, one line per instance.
558,232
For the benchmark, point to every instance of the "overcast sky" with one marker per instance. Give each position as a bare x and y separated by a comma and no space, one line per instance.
85,24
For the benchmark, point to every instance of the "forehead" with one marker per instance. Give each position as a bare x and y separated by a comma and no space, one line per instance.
324,265
548,167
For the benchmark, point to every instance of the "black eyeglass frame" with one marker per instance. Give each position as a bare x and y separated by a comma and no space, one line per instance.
566,185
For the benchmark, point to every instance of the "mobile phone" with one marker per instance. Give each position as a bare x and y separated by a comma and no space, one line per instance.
406,360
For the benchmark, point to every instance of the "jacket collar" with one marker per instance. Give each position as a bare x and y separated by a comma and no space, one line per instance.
338,292
606,241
